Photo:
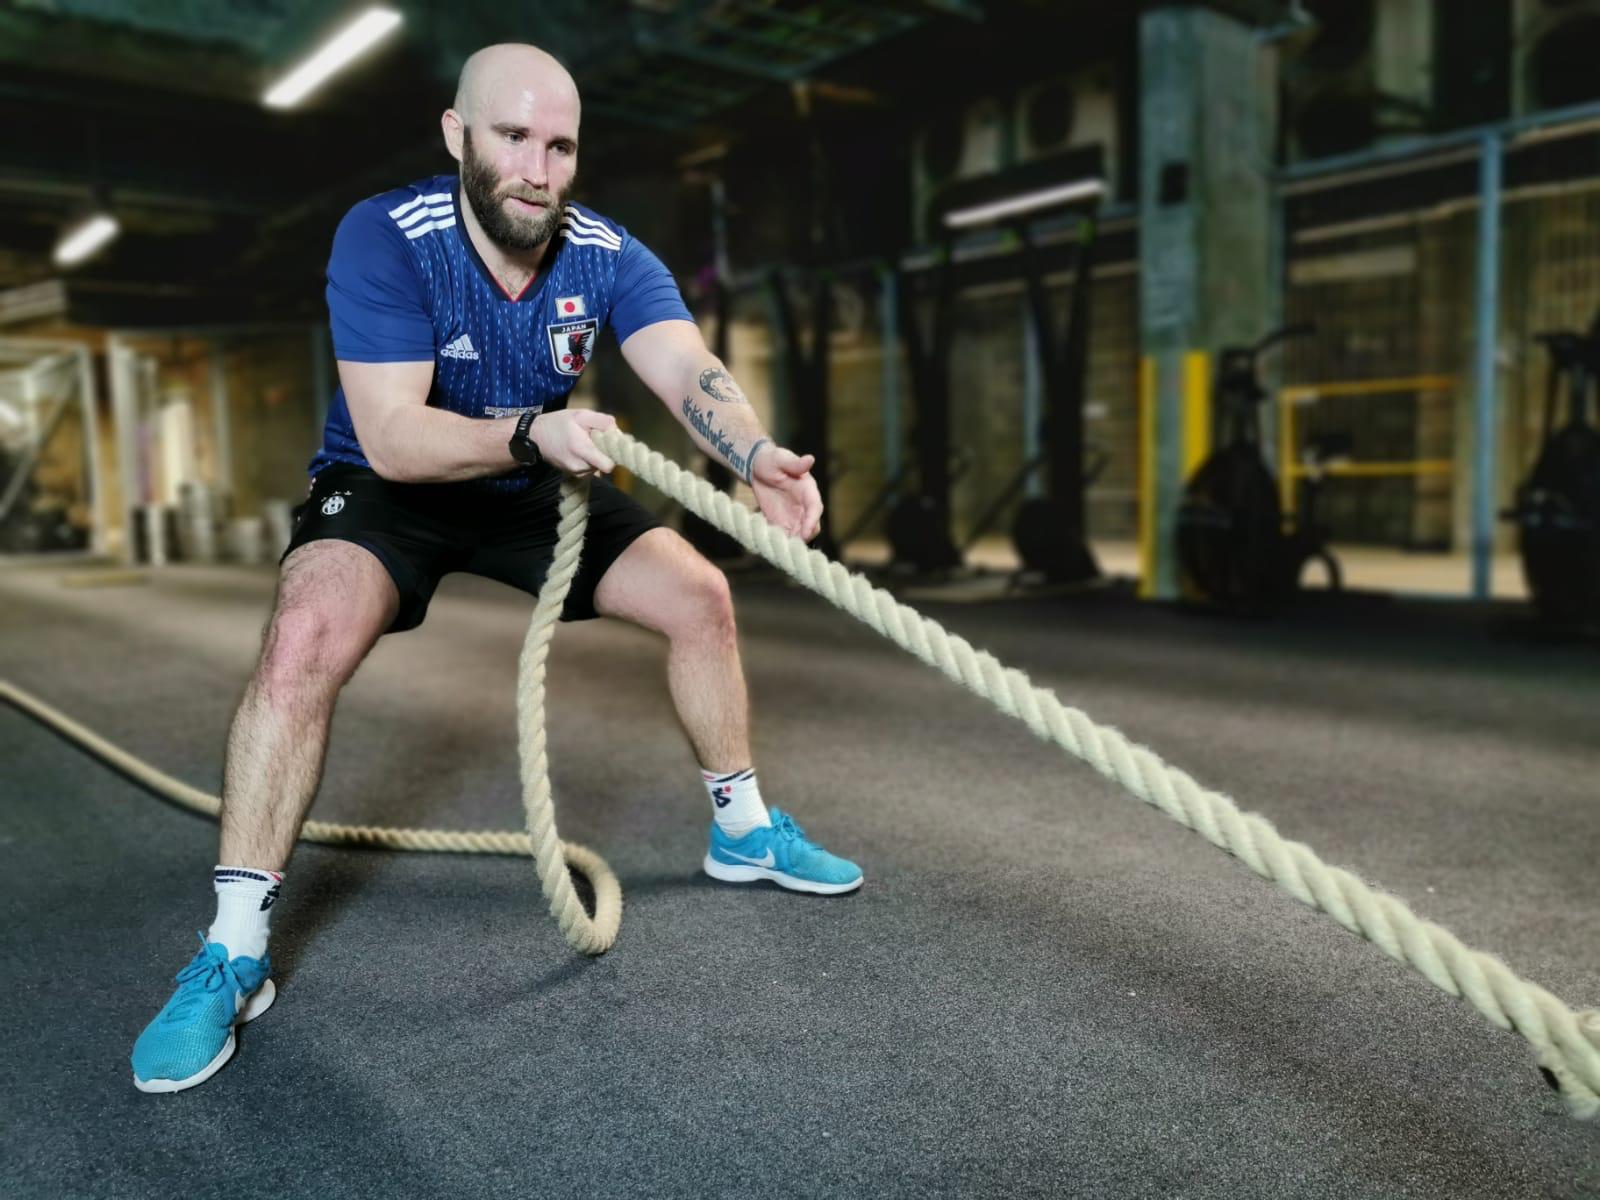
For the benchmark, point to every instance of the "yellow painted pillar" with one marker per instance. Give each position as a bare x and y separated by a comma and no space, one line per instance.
1197,422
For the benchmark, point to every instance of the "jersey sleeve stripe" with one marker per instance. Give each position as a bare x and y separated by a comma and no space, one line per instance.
429,226
603,235
587,231
589,237
411,218
435,198
574,240
588,224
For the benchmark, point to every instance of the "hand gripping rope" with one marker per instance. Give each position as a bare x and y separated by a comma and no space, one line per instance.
1566,1043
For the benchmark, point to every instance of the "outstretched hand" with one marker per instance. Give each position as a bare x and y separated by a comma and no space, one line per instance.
785,491
565,440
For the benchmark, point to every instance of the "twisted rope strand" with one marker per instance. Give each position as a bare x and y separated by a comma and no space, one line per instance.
444,841
587,935
1567,1043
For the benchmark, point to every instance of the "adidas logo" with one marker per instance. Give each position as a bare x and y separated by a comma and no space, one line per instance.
460,348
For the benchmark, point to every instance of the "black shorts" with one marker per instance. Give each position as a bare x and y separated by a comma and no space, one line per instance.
421,532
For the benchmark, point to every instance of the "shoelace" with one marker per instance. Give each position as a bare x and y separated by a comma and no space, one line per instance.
783,826
209,971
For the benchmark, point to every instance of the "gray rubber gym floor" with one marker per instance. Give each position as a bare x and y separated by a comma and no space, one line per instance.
1045,987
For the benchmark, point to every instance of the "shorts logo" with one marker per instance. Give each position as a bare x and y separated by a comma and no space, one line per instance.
571,344
332,506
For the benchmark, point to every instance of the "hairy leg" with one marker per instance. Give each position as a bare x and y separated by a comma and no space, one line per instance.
662,583
334,601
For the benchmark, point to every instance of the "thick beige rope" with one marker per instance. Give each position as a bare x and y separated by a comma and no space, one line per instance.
588,935
447,841
1567,1043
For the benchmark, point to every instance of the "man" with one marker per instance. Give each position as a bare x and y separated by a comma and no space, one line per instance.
453,306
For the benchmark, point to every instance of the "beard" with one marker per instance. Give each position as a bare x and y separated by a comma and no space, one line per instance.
507,229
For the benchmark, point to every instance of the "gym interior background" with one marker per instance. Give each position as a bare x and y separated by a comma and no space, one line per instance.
997,263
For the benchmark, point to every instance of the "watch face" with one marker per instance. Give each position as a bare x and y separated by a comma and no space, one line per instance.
523,447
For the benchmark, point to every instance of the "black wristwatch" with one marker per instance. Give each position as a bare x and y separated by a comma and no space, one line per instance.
523,447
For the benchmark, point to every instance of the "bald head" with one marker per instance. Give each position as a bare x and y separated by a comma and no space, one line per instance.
512,77
514,130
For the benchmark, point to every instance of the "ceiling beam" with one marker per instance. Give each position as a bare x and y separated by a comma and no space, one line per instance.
156,190
673,47
51,43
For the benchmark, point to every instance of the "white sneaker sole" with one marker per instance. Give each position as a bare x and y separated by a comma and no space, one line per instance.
731,873
260,1000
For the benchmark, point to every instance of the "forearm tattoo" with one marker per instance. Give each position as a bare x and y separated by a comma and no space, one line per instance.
700,420
720,386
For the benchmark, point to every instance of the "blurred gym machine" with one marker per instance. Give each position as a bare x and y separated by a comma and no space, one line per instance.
807,377
1236,551
31,521
49,469
894,488
1048,531
918,524
1558,505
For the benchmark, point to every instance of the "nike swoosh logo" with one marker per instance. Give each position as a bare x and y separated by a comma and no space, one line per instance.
766,860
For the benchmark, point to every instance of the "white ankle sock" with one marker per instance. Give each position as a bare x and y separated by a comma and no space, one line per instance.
244,906
736,802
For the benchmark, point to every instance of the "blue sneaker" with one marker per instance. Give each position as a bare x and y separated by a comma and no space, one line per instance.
192,1036
782,855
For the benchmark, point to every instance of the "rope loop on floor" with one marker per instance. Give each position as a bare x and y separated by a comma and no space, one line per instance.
1566,1043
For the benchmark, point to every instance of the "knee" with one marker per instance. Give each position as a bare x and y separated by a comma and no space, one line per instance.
707,613
306,649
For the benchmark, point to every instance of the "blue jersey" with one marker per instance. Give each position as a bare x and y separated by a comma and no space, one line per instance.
405,284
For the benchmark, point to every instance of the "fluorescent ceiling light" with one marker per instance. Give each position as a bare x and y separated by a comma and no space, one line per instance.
334,56
79,242
1017,206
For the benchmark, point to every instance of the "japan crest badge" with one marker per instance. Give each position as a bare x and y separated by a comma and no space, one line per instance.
572,345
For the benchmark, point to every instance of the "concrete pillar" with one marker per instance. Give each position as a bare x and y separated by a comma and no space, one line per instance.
101,506
222,417
125,419
1209,243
